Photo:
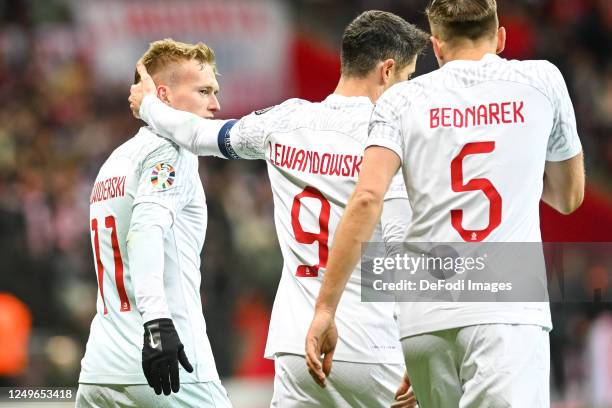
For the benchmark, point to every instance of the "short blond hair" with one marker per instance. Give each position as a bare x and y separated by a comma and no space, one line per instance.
165,52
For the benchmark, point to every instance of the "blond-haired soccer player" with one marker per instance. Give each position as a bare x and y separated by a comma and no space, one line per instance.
148,219
314,153
470,178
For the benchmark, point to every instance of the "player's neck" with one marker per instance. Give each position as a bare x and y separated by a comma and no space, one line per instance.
357,87
474,53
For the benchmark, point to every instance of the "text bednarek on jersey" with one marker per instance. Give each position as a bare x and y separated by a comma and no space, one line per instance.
496,113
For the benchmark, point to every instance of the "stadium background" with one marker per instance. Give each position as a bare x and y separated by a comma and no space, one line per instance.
65,70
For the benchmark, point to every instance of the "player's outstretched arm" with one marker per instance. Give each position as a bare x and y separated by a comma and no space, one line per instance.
162,349
194,133
564,184
357,224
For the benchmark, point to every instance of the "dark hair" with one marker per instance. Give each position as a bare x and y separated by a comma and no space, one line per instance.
455,19
375,36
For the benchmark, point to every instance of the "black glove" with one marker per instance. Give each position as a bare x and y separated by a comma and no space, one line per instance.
161,353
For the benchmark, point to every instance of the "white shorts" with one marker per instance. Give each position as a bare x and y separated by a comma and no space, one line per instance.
349,384
209,394
483,366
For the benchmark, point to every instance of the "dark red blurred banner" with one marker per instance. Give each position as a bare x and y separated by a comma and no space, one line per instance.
316,69
592,222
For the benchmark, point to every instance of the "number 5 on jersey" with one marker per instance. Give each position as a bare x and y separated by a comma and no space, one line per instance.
303,237
479,184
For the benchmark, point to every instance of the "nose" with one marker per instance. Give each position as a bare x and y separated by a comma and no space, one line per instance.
214,105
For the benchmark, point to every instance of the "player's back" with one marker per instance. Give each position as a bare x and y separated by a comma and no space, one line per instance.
474,137
145,169
480,134
314,153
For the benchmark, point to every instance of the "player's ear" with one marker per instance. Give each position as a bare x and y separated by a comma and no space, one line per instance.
437,47
388,70
163,93
501,40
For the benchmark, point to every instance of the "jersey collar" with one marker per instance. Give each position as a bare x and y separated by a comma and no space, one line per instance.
486,59
336,99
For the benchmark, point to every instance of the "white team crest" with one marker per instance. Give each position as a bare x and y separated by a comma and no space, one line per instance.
162,176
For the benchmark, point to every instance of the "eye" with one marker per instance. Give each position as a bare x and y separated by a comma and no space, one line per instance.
205,91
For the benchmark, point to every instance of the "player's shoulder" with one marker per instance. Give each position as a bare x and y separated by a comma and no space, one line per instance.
281,117
282,108
540,74
294,102
533,64
418,86
401,96
146,145
269,118
535,69
152,143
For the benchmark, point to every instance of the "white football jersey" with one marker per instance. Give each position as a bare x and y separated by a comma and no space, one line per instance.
314,153
473,138
146,169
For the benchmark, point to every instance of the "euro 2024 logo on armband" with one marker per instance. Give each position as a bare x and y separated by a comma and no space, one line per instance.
162,176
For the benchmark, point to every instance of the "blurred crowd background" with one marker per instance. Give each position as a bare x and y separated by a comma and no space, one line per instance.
65,71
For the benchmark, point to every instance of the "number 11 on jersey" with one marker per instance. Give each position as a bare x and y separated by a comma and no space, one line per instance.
109,222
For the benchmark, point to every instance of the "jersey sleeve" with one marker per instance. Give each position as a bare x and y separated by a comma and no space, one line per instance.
229,139
248,136
145,248
385,127
203,137
165,178
563,142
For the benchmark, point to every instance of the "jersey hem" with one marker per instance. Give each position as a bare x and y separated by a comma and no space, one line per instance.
348,357
414,330
386,144
395,196
562,157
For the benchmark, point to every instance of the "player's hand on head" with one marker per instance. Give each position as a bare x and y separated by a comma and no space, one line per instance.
404,396
162,352
138,91
321,341
135,99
